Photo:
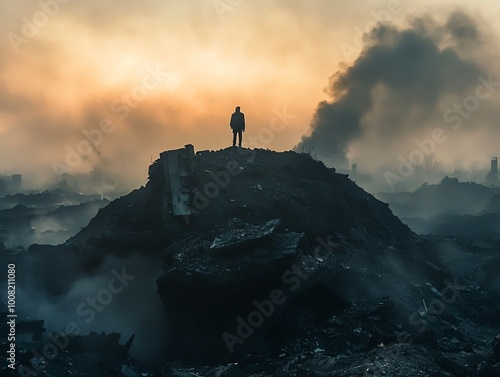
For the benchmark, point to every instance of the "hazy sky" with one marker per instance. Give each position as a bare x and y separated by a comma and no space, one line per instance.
66,69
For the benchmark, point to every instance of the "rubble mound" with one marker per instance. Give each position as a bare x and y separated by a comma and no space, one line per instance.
253,185
276,265
450,196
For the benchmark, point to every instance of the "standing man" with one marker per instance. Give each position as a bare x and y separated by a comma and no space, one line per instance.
237,124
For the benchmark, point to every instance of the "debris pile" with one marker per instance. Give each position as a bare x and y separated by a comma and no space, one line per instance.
275,265
59,355
253,185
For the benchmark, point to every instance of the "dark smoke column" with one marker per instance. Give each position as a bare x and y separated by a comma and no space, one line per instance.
414,67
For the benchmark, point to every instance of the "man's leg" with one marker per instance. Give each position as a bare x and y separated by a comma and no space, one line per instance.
240,136
234,138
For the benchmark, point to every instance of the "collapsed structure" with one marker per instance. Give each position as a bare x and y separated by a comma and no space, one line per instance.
176,166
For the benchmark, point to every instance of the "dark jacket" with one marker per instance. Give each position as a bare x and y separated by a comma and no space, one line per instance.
237,122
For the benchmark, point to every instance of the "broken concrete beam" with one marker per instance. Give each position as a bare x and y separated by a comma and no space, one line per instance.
106,346
30,327
177,168
240,234
286,243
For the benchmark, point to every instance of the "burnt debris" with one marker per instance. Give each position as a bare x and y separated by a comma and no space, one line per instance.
273,265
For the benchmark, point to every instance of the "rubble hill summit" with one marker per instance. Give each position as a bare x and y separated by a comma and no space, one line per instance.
188,192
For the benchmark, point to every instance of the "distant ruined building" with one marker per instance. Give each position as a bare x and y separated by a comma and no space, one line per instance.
15,183
10,184
492,177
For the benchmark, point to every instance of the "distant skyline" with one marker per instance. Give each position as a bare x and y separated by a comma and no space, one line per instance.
138,78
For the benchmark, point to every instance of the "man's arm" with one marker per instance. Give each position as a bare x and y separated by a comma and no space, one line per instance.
243,119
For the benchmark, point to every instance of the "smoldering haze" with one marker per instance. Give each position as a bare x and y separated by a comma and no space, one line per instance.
67,76
135,308
66,79
398,91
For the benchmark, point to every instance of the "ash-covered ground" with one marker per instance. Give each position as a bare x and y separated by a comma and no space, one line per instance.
284,268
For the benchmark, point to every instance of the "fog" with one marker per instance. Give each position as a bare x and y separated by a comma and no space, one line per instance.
101,302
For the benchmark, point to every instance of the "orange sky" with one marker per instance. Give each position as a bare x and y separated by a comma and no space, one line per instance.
85,58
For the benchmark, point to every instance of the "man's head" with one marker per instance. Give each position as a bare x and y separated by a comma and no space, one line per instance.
237,109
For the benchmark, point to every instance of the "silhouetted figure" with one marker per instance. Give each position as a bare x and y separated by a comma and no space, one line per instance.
237,124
